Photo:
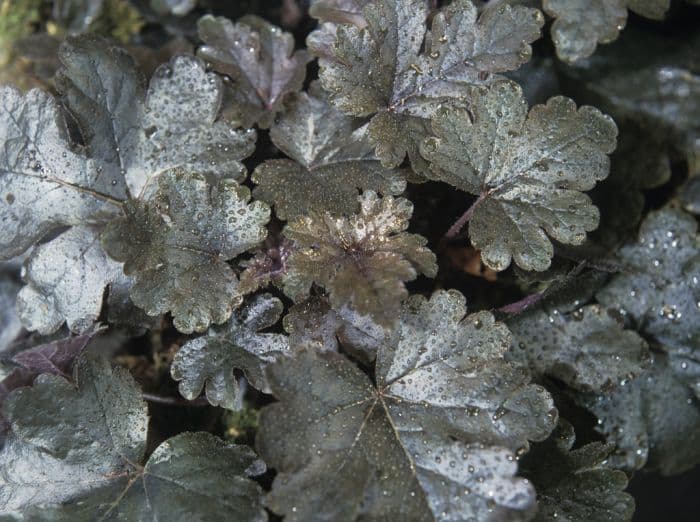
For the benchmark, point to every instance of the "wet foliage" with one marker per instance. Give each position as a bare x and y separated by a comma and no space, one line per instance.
339,260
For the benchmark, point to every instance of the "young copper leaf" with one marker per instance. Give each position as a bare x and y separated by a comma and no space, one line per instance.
660,288
574,485
331,157
45,182
54,357
529,170
379,70
176,245
587,348
138,135
431,440
66,281
260,60
652,421
362,260
209,361
77,452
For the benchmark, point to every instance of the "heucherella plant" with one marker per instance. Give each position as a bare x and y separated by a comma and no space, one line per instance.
347,260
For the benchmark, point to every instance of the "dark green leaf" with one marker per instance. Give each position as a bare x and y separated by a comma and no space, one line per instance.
176,245
379,70
331,158
529,169
260,60
211,360
430,441
588,349
574,485
76,452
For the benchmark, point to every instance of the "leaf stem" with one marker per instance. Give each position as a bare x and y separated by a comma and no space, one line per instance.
523,304
458,225
174,401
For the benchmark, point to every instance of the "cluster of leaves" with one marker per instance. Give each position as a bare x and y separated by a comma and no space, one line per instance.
237,235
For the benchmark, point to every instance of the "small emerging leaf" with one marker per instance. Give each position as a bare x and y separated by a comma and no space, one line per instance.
211,360
582,24
177,243
529,170
362,260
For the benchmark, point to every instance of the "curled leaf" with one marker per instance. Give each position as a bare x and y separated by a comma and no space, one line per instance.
136,135
44,182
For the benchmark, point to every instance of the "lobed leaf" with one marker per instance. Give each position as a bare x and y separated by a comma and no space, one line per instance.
66,282
660,288
379,70
45,182
362,260
331,158
574,485
430,441
653,421
529,169
588,349
176,245
582,24
260,60
78,452
137,135
209,361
